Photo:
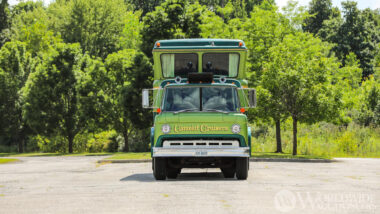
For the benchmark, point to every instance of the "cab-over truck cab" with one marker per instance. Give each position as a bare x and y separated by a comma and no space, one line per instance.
199,101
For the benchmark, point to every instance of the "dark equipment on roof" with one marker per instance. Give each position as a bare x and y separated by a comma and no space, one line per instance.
195,77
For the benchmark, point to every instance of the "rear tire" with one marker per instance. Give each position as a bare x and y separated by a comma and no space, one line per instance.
228,172
159,170
242,168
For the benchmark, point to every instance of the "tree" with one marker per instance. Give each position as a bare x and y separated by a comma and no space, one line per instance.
320,10
369,103
299,70
30,24
51,95
145,6
15,65
128,72
96,25
4,20
356,33
173,19
265,29
270,109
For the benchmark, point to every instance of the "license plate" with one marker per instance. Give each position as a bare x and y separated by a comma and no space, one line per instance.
201,153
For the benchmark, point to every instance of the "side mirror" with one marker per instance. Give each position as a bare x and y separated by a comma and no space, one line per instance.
252,98
145,98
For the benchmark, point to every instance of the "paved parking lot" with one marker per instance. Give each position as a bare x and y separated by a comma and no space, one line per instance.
80,185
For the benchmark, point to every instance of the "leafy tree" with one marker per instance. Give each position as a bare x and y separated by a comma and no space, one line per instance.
51,95
145,6
356,33
299,72
4,20
96,25
320,10
30,25
270,109
15,65
172,19
369,101
128,72
265,29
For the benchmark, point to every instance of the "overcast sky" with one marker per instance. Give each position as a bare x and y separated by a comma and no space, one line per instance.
362,4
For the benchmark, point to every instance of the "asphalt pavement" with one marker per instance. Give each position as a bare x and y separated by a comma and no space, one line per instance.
81,185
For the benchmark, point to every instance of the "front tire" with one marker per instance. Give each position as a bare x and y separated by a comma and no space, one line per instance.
172,173
228,172
242,168
159,170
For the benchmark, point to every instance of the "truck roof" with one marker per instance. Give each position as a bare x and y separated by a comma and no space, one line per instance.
200,44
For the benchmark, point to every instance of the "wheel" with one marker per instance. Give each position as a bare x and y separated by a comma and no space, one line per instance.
159,170
172,173
242,168
228,172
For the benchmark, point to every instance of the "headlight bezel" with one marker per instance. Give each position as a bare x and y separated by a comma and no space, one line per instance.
236,129
165,128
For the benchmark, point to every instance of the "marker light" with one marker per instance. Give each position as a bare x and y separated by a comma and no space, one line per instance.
158,110
235,128
240,44
165,128
242,110
158,44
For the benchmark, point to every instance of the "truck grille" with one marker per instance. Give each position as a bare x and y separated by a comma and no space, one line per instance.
200,143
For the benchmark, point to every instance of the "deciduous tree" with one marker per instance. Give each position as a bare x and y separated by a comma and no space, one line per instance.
51,94
299,71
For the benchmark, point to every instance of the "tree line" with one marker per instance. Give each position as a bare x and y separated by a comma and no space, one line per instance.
76,68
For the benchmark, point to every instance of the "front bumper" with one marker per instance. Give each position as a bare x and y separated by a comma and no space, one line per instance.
201,152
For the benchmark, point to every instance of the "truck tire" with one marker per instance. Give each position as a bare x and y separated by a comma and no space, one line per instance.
172,173
228,172
159,170
242,168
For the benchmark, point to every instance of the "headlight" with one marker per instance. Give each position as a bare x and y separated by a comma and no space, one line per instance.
235,128
165,129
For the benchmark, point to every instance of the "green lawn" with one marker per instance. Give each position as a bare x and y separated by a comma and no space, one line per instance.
129,156
39,154
7,160
286,156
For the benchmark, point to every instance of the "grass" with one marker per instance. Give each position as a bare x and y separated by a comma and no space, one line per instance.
321,140
7,160
286,156
41,154
129,156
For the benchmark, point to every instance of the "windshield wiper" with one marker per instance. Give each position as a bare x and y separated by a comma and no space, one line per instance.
185,110
215,110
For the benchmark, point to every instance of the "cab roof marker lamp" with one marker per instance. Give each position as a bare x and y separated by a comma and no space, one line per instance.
178,80
223,79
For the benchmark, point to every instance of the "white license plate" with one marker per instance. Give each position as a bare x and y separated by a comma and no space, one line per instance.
201,153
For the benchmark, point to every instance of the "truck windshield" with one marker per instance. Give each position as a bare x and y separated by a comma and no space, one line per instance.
201,99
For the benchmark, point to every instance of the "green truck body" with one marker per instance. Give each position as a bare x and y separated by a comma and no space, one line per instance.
199,98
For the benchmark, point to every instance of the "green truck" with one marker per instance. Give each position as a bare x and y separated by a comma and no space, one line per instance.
199,99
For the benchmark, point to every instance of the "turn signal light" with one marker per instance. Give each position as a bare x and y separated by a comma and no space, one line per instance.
242,110
158,110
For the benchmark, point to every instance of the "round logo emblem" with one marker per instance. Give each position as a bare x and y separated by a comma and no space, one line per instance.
285,201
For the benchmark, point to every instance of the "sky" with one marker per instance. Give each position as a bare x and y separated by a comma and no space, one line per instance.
362,4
